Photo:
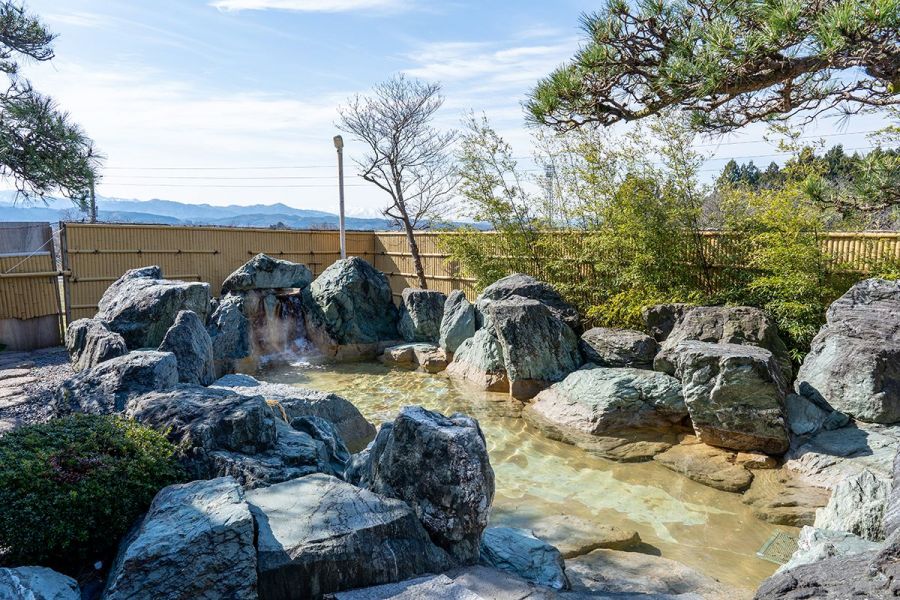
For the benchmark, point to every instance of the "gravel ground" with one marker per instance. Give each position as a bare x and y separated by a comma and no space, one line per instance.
28,381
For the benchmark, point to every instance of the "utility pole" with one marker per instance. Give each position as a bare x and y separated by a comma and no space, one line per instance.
93,202
550,173
339,145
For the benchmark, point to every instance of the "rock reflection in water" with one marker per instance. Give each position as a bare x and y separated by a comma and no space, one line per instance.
709,530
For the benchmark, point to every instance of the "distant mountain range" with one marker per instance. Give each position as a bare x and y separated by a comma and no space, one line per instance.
168,212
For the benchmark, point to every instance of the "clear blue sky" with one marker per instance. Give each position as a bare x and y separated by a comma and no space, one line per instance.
235,84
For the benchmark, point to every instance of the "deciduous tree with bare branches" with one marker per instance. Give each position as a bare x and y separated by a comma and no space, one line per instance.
406,156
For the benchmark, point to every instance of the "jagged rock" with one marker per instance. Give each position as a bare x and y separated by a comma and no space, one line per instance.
318,535
597,400
525,286
457,322
574,536
609,572
90,343
428,357
37,583
725,325
609,347
219,432
107,387
707,465
229,330
440,466
297,402
806,416
188,340
819,544
857,506
538,348
854,362
336,453
735,395
517,551
660,319
421,312
196,541
479,360
830,456
779,498
891,521
262,272
141,306
350,309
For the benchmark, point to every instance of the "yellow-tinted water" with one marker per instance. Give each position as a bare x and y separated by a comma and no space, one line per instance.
709,530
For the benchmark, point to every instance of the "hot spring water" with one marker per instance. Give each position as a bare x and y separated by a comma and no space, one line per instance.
709,530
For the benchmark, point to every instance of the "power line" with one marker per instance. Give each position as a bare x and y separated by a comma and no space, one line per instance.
205,185
334,177
182,168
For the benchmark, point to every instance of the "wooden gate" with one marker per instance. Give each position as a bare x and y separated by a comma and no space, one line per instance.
30,308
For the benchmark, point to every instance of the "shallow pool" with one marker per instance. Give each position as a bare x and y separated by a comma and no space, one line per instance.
704,528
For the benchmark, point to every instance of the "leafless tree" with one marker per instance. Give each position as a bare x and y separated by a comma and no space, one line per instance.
406,156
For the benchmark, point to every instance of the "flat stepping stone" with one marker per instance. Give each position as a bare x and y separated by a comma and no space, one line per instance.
16,382
7,425
11,401
11,373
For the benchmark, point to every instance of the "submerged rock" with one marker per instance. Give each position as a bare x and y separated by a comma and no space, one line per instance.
742,325
609,347
421,312
428,357
141,305
90,343
264,272
107,388
574,536
735,395
707,465
318,535
780,498
350,309
597,400
854,362
525,286
295,402
440,466
37,583
457,322
538,348
857,506
479,360
196,541
188,340
229,331
660,319
520,553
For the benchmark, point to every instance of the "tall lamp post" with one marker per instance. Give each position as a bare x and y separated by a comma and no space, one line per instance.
339,145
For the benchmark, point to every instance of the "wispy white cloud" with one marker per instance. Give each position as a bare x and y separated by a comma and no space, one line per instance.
312,5
78,19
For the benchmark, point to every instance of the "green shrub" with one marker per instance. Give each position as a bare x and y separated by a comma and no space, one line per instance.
71,488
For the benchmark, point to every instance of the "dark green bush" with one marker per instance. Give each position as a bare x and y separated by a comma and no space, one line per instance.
70,488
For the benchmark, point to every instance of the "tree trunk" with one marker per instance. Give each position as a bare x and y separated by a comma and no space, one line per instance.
414,250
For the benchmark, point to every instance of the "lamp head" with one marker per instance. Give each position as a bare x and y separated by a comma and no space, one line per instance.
338,142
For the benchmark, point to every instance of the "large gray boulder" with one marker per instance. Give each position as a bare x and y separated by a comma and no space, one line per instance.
538,348
108,387
350,309
440,466
857,506
526,286
421,312
609,347
519,552
457,321
296,402
815,544
598,400
141,305
37,583
725,325
219,432
229,330
89,343
196,541
734,394
188,340
479,361
660,319
854,362
318,535
262,272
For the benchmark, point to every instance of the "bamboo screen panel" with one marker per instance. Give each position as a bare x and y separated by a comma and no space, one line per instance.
29,282
97,255
393,258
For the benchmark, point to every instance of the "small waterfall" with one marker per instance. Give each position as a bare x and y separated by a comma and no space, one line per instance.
277,327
